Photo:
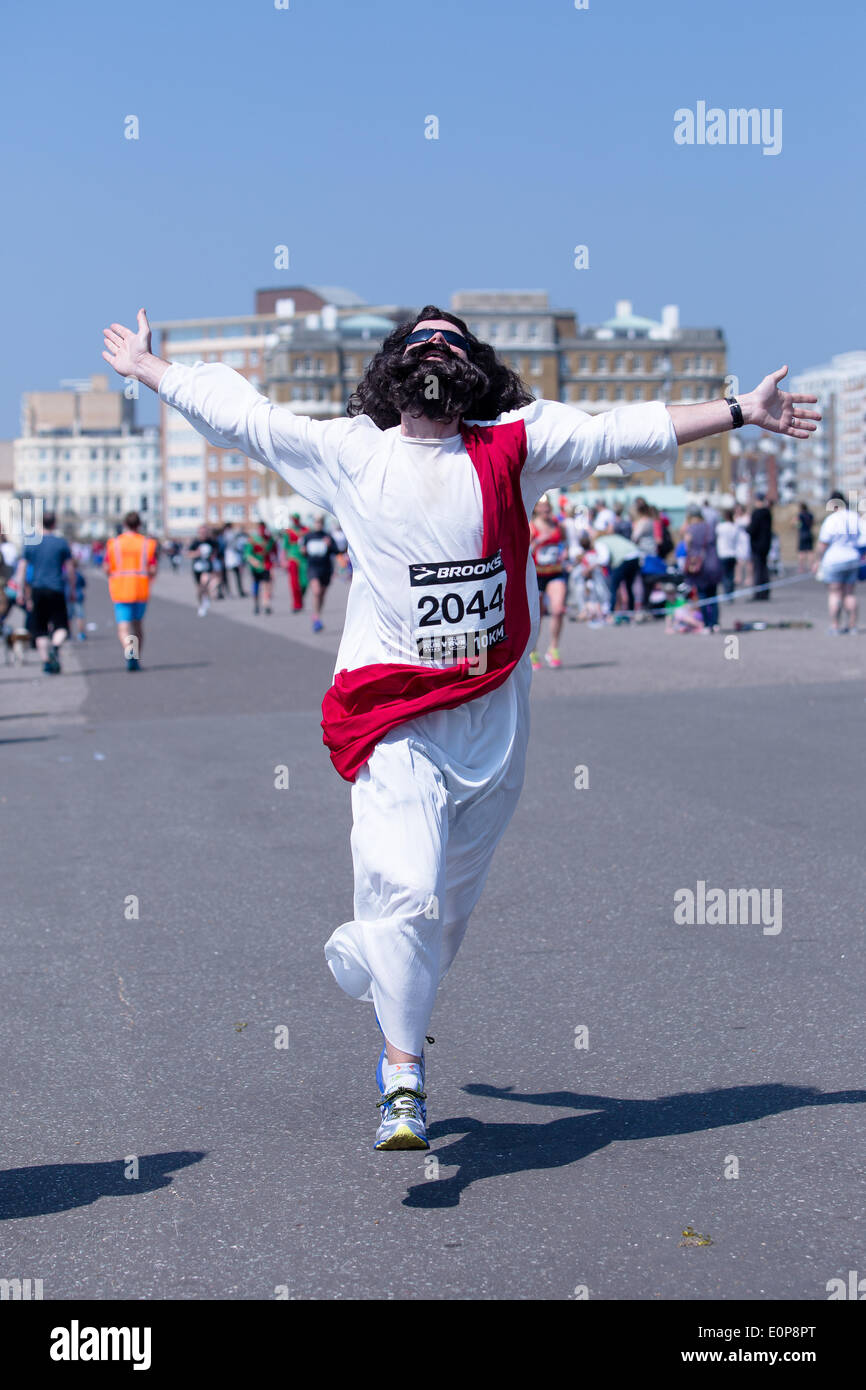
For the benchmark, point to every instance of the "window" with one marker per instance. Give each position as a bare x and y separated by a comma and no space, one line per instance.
619,393
619,363
233,461
514,329
637,364
234,358
583,363
233,486
534,331
601,363
637,393
213,488
213,463
658,359
320,365
233,511
700,455
600,393
94,505
213,513
253,358
142,504
535,364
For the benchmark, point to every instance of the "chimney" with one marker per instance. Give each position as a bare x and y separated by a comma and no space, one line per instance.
623,308
671,319
285,308
329,317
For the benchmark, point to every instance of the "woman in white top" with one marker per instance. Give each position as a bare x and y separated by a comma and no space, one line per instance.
727,541
837,561
742,575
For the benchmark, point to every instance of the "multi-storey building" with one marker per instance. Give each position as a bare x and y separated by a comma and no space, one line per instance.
299,347
627,358
82,454
834,457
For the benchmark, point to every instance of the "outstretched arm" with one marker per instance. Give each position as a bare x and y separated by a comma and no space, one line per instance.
766,406
565,445
227,409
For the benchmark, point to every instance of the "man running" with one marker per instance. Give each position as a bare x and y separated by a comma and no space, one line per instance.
432,477
52,583
130,562
204,568
260,553
296,561
319,547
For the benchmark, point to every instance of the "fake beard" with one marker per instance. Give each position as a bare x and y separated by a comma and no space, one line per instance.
439,388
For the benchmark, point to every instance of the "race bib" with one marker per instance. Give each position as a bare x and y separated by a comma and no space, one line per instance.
548,554
458,608
316,549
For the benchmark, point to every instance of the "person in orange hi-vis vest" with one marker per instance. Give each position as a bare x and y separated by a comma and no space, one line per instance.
130,563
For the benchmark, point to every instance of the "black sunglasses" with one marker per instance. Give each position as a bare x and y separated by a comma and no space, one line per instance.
423,335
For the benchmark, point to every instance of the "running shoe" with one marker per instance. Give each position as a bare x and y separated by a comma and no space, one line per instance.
552,657
52,665
536,661
404,1114
133,664
317,625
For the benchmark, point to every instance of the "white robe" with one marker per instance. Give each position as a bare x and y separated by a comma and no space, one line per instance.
437,793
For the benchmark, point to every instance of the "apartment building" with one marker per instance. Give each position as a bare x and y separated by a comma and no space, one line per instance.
626,358
834,457
81,452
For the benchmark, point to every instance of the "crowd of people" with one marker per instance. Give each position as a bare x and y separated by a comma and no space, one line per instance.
611,564
600,565
42,588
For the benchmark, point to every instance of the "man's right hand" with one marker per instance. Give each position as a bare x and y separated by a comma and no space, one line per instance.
129,352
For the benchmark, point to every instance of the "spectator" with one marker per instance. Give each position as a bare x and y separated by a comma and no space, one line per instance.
702,564
760,530
837,561
805,523
727,540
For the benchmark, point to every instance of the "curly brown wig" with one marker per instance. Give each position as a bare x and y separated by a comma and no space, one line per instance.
496,388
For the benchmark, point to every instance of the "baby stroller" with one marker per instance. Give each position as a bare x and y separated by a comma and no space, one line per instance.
662,584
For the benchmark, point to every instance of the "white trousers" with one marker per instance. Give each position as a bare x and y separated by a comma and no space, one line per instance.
429,809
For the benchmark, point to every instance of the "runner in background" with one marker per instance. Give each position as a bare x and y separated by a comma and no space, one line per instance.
49,569
260,552
130,563
232,560
296,561
319,547
204,568
547,547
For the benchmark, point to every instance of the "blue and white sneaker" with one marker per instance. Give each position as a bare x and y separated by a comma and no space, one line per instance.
404,1113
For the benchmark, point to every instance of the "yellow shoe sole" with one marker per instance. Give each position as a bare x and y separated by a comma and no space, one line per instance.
403,1138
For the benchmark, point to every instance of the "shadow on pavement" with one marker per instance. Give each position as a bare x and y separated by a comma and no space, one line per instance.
492,1150
120,670
56,1187
33,738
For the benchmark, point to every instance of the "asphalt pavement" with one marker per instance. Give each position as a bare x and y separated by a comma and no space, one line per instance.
603,1079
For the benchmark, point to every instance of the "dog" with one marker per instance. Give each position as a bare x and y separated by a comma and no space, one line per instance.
15,644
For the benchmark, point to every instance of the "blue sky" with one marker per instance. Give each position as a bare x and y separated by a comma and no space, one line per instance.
305,126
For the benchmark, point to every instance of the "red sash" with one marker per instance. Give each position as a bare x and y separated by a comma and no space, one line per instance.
365,704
